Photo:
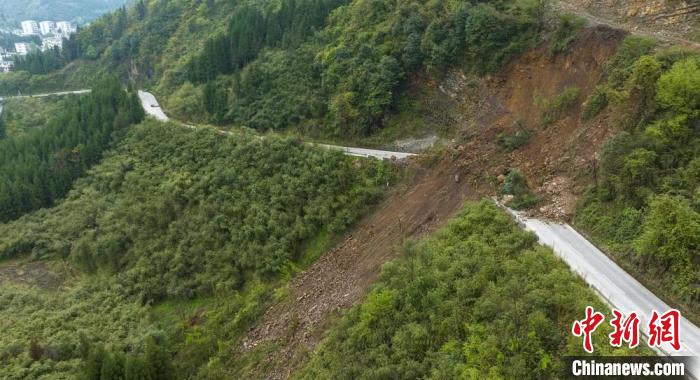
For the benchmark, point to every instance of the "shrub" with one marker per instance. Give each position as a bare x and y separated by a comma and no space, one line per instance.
568,26
679,88
513,141
595,103
620,66
515,184
553,109
670,240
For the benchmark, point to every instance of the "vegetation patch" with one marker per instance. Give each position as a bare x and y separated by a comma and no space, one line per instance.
595,103
21,116
568,26
39,167
202,225
648,177
512,141
553,109
516,186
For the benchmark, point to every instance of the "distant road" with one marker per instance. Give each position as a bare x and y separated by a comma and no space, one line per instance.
616,286
2,98
152,108
84,91
362,152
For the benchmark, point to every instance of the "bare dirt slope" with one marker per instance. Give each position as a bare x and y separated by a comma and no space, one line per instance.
340,278
467,169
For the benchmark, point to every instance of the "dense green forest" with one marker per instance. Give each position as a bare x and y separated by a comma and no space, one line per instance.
20,116
645,205
330,67
480,299
39,167
172,214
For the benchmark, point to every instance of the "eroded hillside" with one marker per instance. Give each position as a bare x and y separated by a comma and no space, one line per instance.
556,157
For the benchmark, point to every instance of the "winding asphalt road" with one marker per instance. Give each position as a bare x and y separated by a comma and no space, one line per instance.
612,283
152,108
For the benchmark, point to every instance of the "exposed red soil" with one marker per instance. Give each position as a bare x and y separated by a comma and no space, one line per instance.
557,159
469,169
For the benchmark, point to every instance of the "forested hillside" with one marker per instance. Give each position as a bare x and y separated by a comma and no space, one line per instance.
21,116
645,202
39,167
135,249
172,215
330,67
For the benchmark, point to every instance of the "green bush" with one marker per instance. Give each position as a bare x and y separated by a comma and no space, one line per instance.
513,141
568,26
670,239
515,184
646,202
595,103
554,108
619,67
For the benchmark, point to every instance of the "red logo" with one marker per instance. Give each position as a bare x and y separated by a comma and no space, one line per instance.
626,330
586,327
665,329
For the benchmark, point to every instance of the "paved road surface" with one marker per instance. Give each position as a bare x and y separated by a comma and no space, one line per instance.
362,152
46,94
150,105
615,285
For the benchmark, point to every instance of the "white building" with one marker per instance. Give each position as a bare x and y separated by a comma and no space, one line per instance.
64,28
30,28
47,27
5,66
21,48
51,42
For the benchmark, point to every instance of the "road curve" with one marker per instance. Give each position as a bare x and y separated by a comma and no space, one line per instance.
612,283
152,108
